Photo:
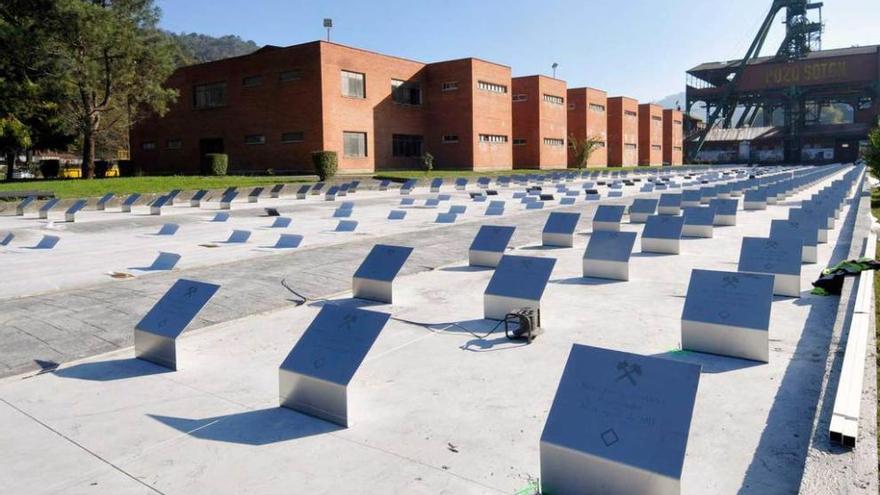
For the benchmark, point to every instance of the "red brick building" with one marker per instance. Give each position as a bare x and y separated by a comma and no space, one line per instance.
673,133
650,134
623,132
271,109
588,118
539,123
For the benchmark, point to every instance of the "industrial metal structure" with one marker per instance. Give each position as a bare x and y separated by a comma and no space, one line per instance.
801,104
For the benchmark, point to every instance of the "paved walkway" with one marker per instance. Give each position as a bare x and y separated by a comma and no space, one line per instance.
40,331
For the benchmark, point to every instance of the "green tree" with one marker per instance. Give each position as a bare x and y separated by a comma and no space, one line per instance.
872,152
583,149
14,137
112,61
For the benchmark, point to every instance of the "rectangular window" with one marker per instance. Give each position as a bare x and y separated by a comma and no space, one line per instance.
630,114
292,137
406,145
492,138
492,87
519,141
354,144
657,118
406,93
554,142
255,139
450,86
594,107
251,81
553,99
209,95
290,75
148,145
520,97
656,147
174,144
630,146
450,138
353,84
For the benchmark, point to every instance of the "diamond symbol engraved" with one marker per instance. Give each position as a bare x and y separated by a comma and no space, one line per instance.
771,244
730,281
609,437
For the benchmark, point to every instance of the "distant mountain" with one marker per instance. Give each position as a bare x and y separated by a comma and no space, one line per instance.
677,102
199,48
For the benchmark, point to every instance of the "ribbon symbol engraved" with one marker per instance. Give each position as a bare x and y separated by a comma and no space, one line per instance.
190,291
730,281
628,371
347,321
771,244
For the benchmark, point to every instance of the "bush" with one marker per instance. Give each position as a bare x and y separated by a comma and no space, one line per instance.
50,168
217,163
325,163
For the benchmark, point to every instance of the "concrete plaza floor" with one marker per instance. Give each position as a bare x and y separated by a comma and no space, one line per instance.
434,411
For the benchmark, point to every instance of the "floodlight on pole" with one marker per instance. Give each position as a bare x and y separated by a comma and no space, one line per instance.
328,23
554,66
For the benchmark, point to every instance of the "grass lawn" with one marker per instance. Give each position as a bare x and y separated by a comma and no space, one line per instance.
81,188
420,174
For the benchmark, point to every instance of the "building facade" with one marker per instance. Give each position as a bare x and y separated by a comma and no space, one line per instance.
623,132
539,123
588,118
271,109
673,135
650,134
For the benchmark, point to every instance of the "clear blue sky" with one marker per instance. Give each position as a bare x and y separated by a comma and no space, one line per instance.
638,48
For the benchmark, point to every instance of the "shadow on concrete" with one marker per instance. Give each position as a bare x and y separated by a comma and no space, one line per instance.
586,281
642,254
466,268
711,363
544,248
348,302
105,371
259,427
780,457
501,343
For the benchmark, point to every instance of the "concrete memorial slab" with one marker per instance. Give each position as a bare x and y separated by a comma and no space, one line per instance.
806,232
780,257
70,214
518,283
314,377
373,279
47,207
662,234
408,186
172,195
238,237
698,221
755,199
303,191
592,195
396,215
275,192
6,239
220,216
489,245
272,212
460,184
383,184
457,209
331,193
641,209
156,334
196,200
607,255
691,197
567,201
163,262
20,207
728,313
808,215
615,194
535,205
669,204
317,188
559,229
288,241
159,203
445,218
342,212
619,424
47,242
436,184
346,226
725,211
281,223
407,201
168,229
129,201
608,217
227,199
104,200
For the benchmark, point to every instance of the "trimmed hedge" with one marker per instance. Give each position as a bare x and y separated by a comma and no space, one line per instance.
217,163
50,168
326,163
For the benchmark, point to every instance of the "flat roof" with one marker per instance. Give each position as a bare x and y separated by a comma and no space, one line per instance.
834,52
